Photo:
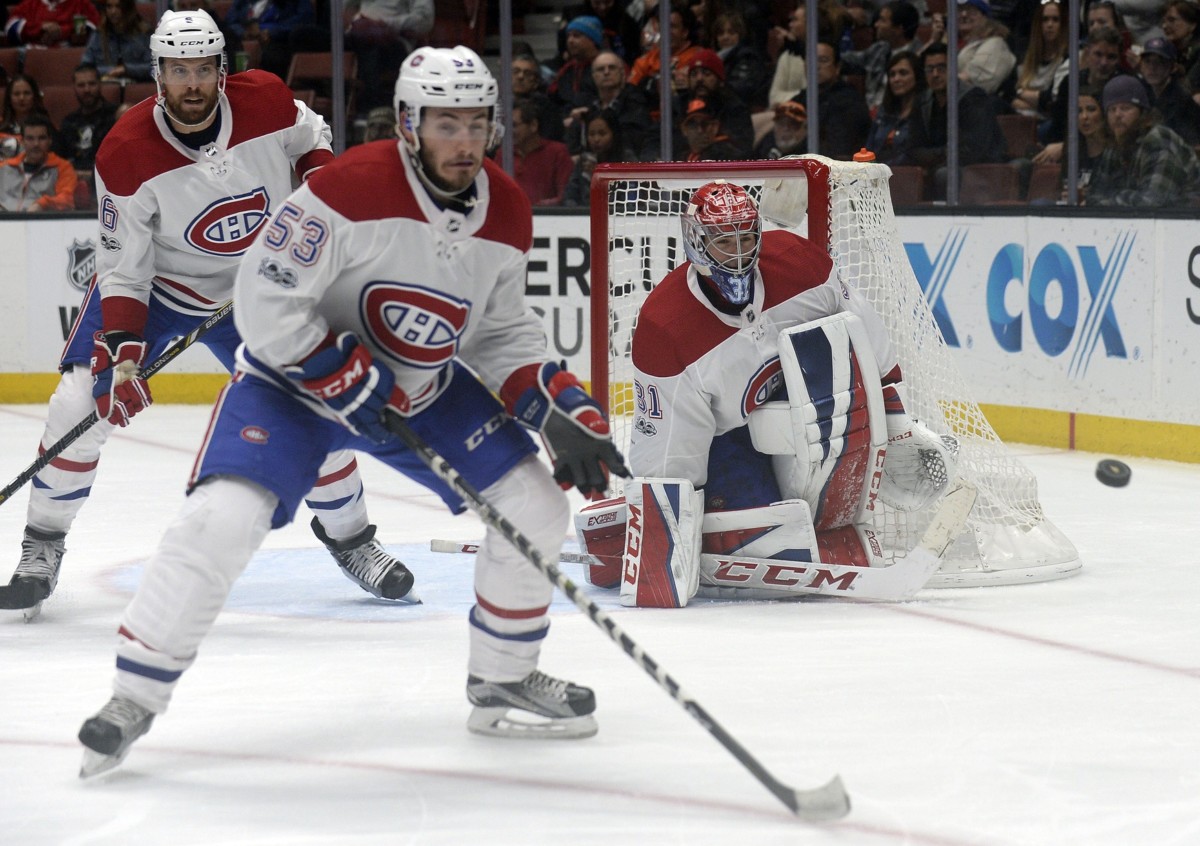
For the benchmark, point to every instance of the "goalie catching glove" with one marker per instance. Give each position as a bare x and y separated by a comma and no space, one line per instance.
119,391
343,376
551,401
919,463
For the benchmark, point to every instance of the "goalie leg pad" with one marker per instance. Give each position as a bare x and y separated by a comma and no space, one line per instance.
662,543
600,528
837,420
782,530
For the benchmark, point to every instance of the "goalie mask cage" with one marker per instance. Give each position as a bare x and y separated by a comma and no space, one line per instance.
846,208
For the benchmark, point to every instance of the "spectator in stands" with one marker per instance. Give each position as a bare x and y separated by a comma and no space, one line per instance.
614,94
573,86
37,180
1143,18
706,81
83,129
789,78
604,144
706,140
527,84
1102,59
381,124
1044,67
898,129
22,99
844,117
984,59
382,33
895,30
647,67
1104,13
747,72
540,166
273,25
980,139
788,135
1094,138
1179,24
621,31
1169,94
120,47
51,24
1148,165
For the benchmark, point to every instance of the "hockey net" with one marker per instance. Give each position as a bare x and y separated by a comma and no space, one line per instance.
846,208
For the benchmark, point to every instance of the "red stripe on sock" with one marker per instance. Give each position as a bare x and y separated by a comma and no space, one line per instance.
509,613
338,475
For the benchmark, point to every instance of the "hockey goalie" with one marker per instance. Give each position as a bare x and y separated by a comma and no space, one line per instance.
769,421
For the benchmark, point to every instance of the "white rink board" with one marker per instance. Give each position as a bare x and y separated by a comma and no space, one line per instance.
1106,310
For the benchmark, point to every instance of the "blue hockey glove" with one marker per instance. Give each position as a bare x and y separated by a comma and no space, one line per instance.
119,392
552,402
349,382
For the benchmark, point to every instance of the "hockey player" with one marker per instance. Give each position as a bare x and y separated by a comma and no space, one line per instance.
768,417
184,184
391,283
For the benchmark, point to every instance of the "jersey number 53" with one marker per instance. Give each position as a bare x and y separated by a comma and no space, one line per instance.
301,236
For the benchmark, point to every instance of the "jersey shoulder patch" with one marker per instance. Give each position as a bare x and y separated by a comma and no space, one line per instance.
261,104
134,151
367,182
674,328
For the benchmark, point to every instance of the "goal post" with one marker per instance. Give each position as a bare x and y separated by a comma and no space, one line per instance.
844,207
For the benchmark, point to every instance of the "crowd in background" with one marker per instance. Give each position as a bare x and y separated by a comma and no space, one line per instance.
736,89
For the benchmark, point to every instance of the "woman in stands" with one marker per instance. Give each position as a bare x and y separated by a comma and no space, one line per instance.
1045,65
603,144
1094,138
120,47
22,98
1179,23
898,128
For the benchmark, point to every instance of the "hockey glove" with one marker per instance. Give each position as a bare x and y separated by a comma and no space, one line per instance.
119,391
551,401
343,376
919,463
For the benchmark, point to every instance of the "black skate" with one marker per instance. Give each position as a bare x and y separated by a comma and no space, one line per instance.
539,706
109,735
366,564
37,573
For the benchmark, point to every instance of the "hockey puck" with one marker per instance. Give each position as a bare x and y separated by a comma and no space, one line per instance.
1113,473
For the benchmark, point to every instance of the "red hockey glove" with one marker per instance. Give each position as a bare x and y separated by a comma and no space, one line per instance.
345,378
551,401
119,391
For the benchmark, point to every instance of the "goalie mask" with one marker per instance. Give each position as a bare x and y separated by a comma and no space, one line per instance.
721,236
187,35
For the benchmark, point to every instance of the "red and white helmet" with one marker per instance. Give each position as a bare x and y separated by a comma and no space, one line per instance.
716,223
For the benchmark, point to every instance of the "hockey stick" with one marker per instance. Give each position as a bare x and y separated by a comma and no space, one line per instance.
168,355
829,802
746,577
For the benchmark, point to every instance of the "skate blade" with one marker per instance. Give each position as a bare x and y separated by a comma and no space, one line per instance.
515,723
31,614
95,763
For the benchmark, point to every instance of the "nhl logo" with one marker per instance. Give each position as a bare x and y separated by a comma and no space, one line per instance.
81,263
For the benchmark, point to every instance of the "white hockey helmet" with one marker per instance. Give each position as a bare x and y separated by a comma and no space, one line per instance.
450,77
716,222
186,35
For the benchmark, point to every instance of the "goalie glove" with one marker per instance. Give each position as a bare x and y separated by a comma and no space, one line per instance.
551,401
344,377
119,391
919,463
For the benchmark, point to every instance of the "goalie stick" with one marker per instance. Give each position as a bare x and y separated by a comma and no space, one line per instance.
168,355
828,802
745,577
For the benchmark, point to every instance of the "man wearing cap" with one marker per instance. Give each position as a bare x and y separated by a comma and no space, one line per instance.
985,58
706,140
1161,74
706,81
573,85
1149,165
788,134
620,29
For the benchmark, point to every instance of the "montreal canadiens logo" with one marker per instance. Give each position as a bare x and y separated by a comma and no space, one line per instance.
414,325
763,385
228,227
255,434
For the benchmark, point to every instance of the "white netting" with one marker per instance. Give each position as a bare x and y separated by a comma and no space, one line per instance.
1009,539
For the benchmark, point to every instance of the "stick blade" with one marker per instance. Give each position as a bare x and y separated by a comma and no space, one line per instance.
821,804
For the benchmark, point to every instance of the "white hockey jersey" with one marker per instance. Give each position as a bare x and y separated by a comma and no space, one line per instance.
362,247
700,372
175,222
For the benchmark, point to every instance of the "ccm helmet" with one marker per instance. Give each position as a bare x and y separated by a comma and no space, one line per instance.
715,223
450,77
186,35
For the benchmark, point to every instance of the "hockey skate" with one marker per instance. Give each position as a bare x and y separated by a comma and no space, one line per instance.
37,573
109,735
539,706
366,564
